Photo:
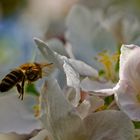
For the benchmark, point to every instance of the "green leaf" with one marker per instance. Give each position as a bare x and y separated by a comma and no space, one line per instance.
136,124
108,100
31,89
101,72
117,65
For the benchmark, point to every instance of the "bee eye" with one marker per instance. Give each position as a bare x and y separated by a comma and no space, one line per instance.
29,70
32,76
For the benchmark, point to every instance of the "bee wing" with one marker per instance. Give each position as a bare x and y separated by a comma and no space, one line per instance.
48,65
34,56
44,74
47,69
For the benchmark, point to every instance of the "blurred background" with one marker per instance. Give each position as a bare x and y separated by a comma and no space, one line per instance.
22,20
94,29
117,22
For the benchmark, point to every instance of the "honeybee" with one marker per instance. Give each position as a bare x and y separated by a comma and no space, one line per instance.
26,72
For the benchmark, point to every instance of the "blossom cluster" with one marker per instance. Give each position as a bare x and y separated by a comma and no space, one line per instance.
81,98
72,110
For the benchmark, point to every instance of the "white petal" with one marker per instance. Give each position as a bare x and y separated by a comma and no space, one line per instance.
77,97
69,51
14,136
103,92
48,53
83,108
16,115
96,102
62,120
73,95
126,98
89,105
91,85
96,87
83,68
57,46
109,125
42,135
71,75
73,81
86,35
78,17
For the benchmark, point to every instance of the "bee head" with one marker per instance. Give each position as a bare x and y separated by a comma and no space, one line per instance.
33,73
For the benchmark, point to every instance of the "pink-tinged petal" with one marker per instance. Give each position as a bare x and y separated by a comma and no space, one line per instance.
130,71
89,105
84,95
127,57
128,101
61,120
97,88
16,115
83,69
109,125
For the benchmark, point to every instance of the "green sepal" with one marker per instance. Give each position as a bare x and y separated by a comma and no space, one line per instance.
31,89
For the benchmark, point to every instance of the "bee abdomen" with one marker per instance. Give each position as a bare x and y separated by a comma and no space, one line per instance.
11,80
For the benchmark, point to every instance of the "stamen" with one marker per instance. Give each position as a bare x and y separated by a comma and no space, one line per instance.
138,97
108,61
37,107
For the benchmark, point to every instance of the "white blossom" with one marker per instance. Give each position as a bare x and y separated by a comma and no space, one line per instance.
127,89
63,122
71,67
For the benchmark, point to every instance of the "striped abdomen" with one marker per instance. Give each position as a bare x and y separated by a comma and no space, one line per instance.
11,80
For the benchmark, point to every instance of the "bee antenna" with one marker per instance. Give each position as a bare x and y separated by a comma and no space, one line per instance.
46,65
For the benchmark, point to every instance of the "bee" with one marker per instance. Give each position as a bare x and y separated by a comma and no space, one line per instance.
17,77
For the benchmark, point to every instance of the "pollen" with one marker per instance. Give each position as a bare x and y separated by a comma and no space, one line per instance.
138,97
109,62
101,108
37,108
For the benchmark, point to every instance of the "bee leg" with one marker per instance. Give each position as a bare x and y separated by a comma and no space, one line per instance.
19,89
22,88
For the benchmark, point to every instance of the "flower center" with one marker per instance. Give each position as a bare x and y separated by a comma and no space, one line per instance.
109,63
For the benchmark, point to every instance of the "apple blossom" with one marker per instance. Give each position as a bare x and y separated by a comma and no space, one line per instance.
63,122
71,67
127,89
